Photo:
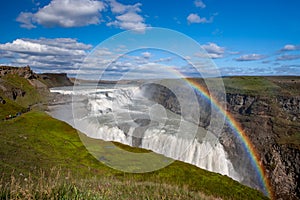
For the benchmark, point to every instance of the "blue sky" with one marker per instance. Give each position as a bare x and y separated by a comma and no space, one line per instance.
258,37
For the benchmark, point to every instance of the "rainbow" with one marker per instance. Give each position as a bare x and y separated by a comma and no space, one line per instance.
253,155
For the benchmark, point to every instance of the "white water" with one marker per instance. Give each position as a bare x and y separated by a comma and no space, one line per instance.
113,114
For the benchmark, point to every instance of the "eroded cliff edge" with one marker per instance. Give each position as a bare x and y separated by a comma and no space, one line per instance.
21,88
268,110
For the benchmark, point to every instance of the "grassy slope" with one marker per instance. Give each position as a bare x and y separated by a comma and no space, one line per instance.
250,85
35,144
32,96
29,145
263,86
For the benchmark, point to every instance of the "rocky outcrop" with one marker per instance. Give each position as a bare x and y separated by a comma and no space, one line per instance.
272,124
37,80
12,90
24,72
2,101
14,93
56,80
41,82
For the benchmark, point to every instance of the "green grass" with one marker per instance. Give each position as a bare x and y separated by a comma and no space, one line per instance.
32,94
293,139
251,85
64,186
35,141
9,108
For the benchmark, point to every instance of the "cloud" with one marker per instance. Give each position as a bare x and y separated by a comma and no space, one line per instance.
250,57
78,13
146,55
64,13
149,70
61,46
213,48
213,51
290,47
195,18
128,21
163,60
26,20
288,57
119,8
199,4
68,43
46,54
288,69
128,17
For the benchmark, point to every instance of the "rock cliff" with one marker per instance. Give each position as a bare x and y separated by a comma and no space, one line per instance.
13,87
271,123
56,80
270,120
24,72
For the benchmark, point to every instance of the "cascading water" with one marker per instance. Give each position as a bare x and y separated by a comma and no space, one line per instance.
123,115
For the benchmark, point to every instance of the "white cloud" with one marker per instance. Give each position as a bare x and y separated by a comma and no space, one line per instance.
290,47
68,43
195,18
44,47
128,17
163,60
146,55
129,21
250,57
288,57
213,48
213,51
199,4
119,8
44,54
77,13
64,13
26,20
208,55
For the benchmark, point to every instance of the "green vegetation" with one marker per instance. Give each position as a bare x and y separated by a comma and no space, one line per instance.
250,85
293,139
263,86
254,85
9,108
32,96
64,186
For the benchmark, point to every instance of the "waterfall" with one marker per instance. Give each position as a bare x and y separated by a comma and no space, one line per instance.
123,114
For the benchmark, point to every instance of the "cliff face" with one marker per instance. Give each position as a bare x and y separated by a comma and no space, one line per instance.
272,123
24,72
18,83
56,80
